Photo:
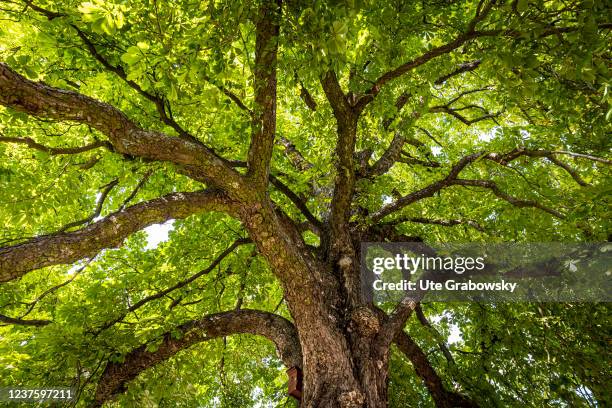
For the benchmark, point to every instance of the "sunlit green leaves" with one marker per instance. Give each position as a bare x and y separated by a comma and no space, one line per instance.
132,55
104,17
547,91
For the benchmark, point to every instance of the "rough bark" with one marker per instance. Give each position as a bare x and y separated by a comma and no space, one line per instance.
109,232
338,244
340,341
264,114
125,136
311,293
441,396
275,328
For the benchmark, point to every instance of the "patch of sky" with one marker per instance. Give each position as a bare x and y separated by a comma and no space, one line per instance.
158,233
455,336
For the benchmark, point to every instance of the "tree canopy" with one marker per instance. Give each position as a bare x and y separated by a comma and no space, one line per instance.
271,138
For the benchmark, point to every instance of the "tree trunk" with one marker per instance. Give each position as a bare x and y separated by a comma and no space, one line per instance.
340,373
331,389
342,367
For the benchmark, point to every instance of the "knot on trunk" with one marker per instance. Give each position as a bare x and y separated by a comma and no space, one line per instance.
345,262
365,321
351,399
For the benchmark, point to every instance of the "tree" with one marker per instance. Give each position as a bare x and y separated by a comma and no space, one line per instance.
275,138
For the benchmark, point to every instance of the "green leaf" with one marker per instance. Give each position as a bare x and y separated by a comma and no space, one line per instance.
132,56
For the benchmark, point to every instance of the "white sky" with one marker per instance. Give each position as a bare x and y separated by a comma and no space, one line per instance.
158,233
455,336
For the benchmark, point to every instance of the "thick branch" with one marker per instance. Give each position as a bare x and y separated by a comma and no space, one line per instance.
264,115
441,396
389,157
394,152
64,248
297,158
275,328
126,137
344,183
335,95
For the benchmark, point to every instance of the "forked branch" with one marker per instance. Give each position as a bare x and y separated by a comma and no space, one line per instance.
344,183
504,159
464,37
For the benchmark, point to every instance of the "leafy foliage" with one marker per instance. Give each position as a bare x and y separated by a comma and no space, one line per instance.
540,81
